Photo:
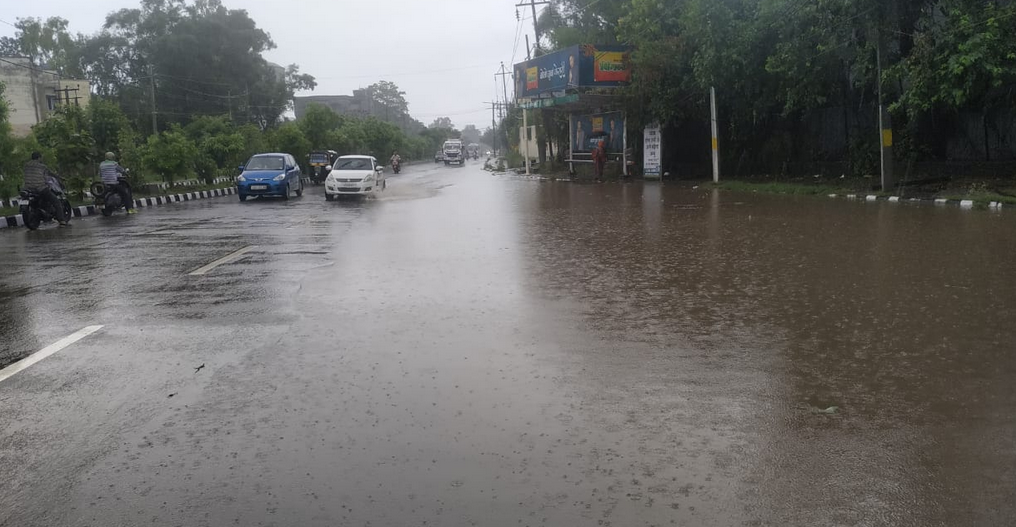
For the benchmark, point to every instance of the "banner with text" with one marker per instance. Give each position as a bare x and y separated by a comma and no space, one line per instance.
652,159
582,66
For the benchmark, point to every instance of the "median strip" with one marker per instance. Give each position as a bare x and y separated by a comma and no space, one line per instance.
90,210
23,364
229,258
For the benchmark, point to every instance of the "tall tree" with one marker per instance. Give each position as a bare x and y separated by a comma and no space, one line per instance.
442,123
389,98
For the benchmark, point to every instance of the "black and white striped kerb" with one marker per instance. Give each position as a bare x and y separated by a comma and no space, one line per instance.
90,210
962,203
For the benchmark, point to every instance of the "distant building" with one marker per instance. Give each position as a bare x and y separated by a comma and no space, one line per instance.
359,104
34,93
278,71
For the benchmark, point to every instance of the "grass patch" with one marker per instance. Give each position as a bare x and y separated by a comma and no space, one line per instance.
796,189
9,211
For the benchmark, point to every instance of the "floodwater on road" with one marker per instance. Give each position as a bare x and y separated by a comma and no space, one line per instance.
482,350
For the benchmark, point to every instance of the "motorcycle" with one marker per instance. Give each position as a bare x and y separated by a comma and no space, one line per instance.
107,199
35,214
396,167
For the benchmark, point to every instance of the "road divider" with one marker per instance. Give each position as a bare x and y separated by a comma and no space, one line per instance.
229,258
91,210
26,362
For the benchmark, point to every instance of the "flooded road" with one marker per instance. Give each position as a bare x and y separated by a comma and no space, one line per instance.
481,350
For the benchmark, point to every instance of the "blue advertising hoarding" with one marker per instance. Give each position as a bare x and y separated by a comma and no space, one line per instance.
585,65
589,130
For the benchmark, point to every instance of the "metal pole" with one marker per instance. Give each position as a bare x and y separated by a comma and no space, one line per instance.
885,127
504,85
155,118
525,125
571,148
624,147
716,134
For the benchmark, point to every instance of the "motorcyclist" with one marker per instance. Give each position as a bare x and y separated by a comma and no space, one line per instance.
395,160
36,180
111,171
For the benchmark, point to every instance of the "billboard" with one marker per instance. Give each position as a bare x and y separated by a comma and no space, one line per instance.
585,65
552,72
589,130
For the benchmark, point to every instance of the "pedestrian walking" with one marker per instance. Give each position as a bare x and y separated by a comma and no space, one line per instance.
599,158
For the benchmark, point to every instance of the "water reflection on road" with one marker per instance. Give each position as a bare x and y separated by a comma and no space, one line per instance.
721,324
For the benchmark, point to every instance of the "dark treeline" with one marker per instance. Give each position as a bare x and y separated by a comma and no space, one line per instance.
799,81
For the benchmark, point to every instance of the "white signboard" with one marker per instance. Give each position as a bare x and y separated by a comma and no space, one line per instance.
652,164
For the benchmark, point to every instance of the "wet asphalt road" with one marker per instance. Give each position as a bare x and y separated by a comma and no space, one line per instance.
479,350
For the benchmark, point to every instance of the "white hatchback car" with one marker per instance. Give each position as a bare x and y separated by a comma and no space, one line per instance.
355,176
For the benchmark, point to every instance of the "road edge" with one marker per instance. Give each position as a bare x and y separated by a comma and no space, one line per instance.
90,210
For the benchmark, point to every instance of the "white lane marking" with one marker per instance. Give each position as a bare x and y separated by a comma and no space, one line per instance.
229,258
21,365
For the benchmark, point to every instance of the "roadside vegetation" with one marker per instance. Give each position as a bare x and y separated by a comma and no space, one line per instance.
798,83
182,91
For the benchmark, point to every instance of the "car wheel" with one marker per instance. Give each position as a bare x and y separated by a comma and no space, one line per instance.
107,211
243,197
285,193
299,192
328,197
384,184
68,213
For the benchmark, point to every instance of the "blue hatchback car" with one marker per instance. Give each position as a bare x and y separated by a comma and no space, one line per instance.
269,175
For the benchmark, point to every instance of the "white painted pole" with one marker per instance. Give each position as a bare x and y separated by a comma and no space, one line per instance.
571,150
525,125
716,134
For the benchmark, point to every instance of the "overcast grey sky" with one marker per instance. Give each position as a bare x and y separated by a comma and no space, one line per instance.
442,53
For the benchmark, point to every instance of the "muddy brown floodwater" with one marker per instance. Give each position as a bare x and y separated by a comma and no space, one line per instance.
725,326
480,350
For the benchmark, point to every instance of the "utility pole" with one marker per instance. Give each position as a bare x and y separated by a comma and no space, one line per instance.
716,135
155,118
504,85
536,26
885,127
493,125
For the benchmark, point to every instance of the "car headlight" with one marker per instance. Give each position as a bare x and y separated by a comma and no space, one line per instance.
240,179
280,177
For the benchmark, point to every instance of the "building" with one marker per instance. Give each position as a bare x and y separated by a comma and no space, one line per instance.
34,93
359,104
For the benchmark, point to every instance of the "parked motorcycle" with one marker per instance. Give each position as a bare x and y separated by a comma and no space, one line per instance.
106,197
35,214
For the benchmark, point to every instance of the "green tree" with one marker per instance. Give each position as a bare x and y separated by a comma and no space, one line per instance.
289,139
67,141
318,122
171,154
442,123
107,123
389,97
45,42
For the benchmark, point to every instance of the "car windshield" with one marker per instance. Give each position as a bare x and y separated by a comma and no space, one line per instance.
265,163
352,164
